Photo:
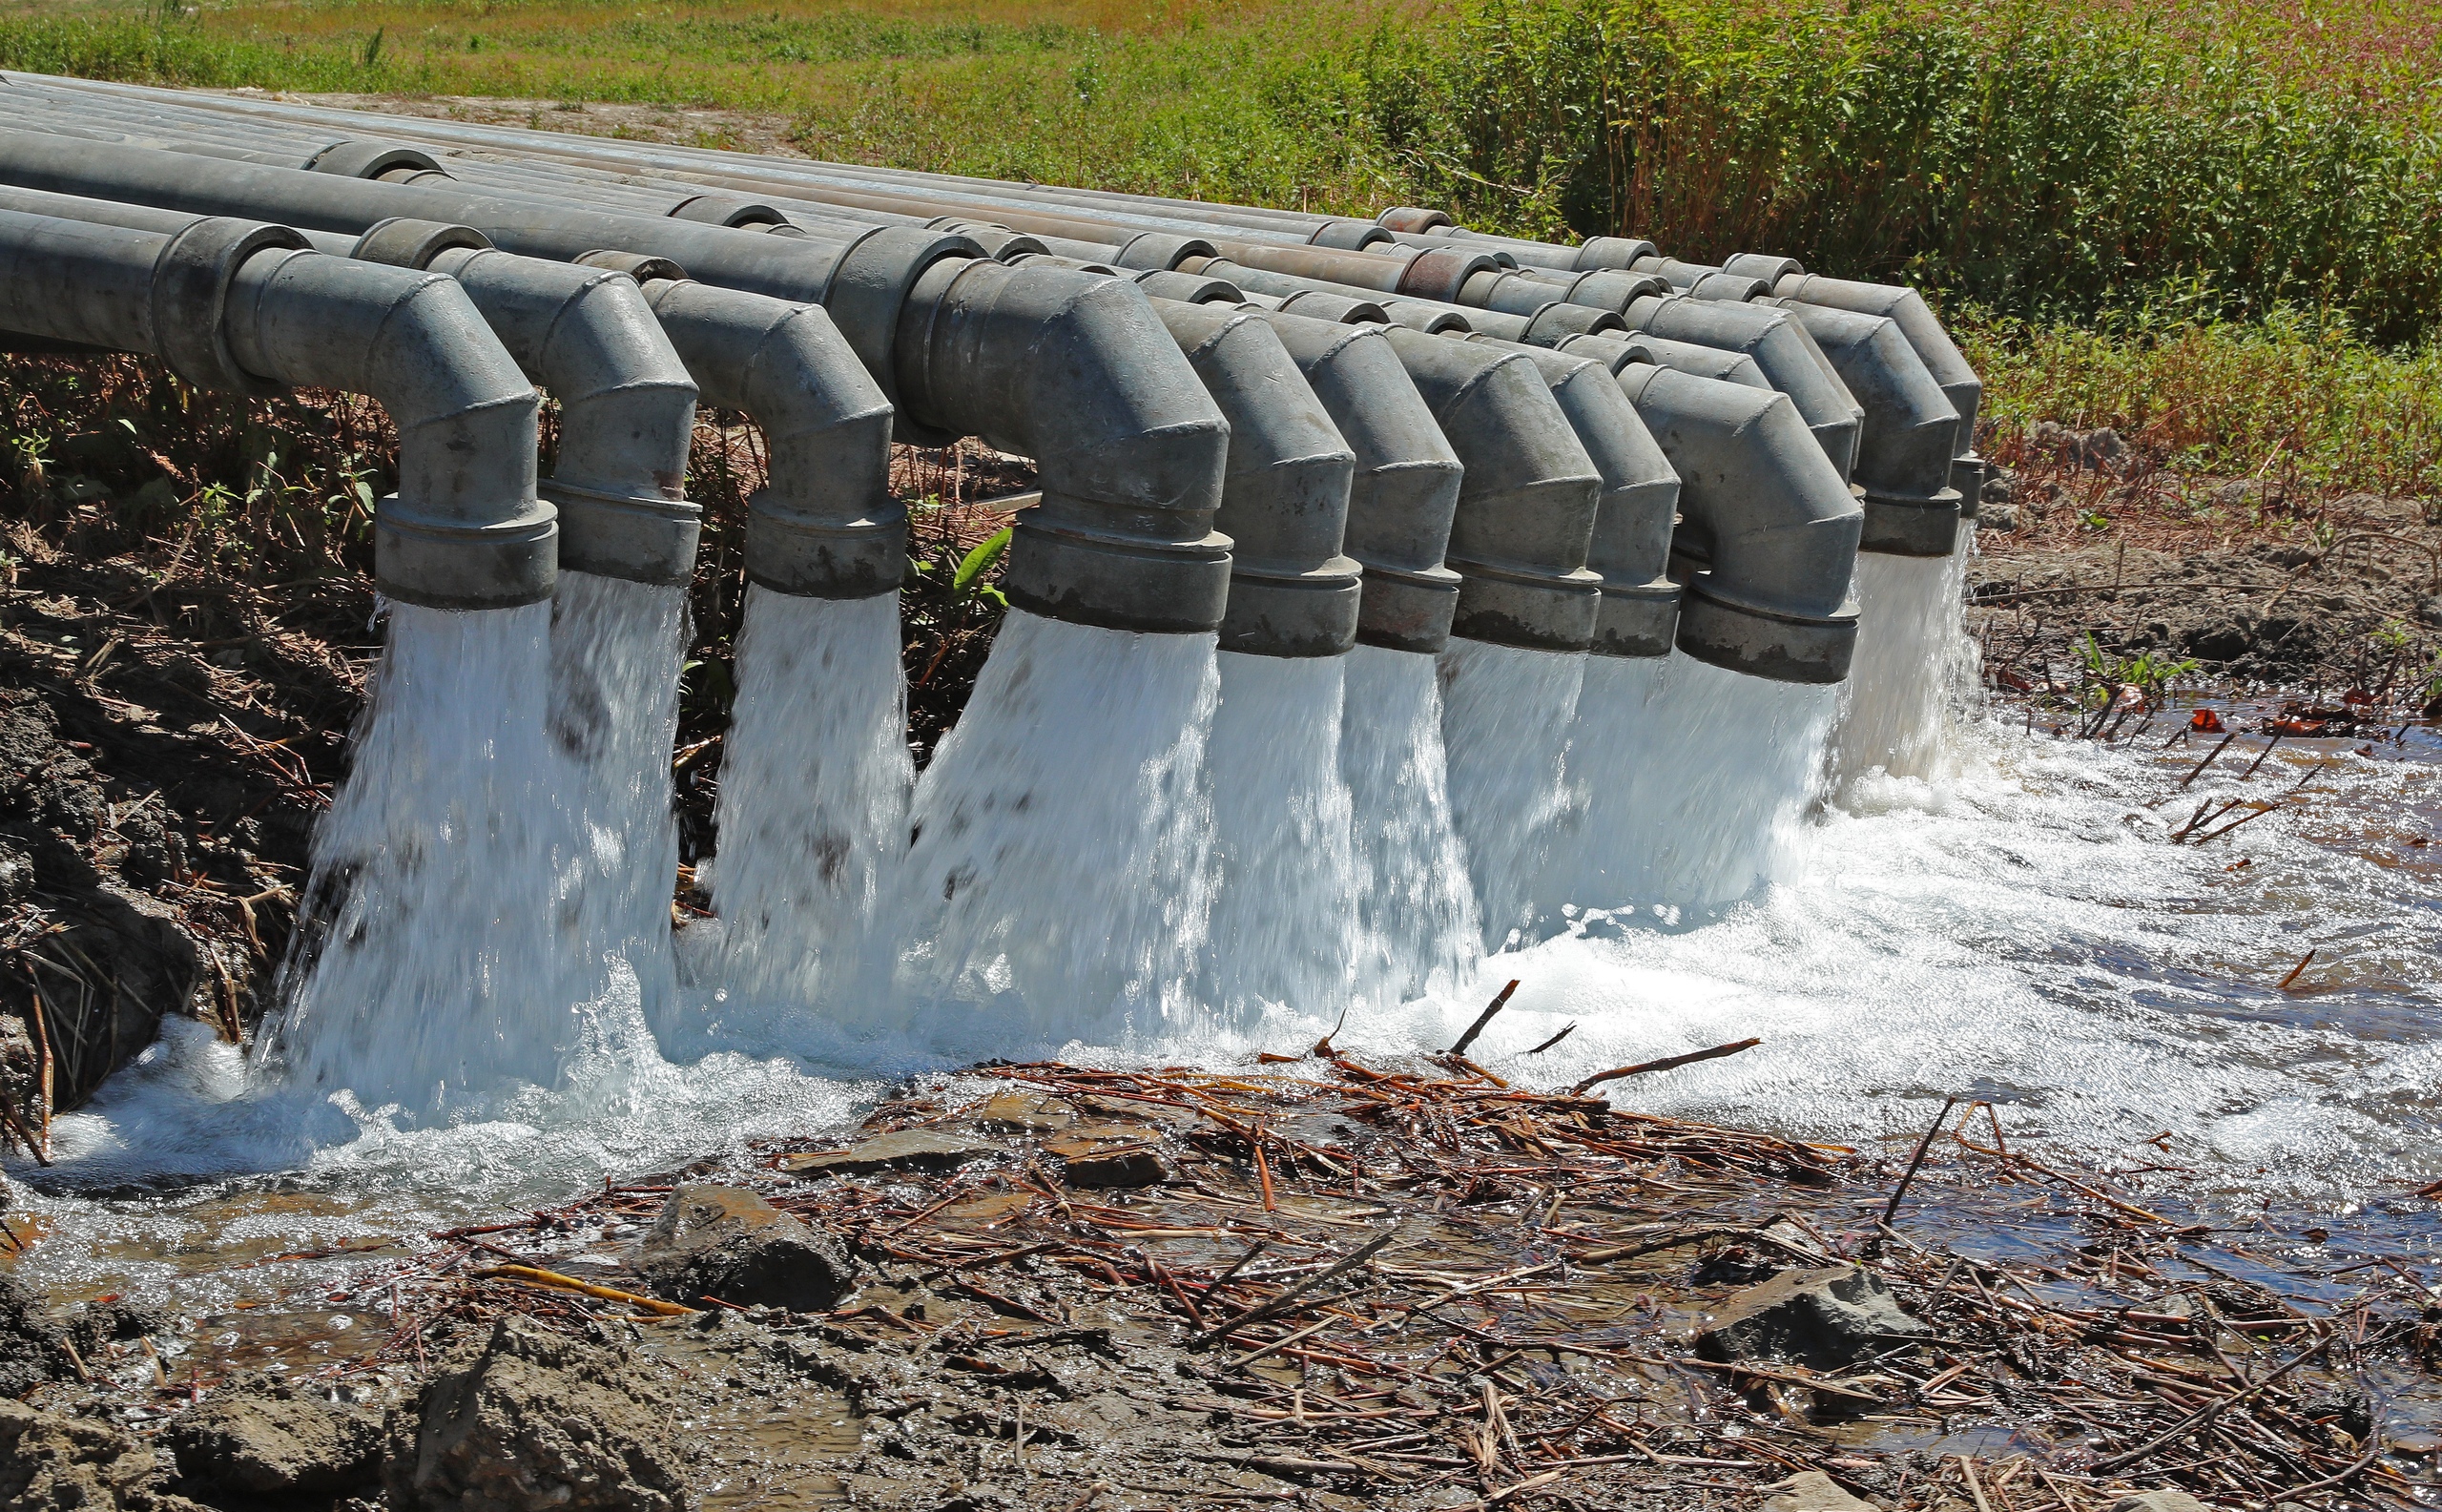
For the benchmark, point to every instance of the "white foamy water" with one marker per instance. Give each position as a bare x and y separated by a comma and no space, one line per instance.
1916,675
1057,887
441,941
1285,930
1687,787
1416,906
815,785
1506,718
616,649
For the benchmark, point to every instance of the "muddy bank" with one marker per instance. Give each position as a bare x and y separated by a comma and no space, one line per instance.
1319,1283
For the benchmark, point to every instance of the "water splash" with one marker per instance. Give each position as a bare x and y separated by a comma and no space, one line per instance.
616,649
1416,907
439,952
1688,786
1917,672
1285,928
1056,886
1505,713
815,787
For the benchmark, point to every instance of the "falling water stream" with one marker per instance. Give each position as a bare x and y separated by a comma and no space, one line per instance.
1505,718
815,785
1913,672
1419,929
1285,929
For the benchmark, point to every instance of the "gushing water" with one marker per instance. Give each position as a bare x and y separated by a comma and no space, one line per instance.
1914,673
439,953
1505,715
616,653
1285,927
815,788
1688,786
1417,910
1056,885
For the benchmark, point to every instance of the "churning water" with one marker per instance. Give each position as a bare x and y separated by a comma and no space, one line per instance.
1506,718
1058,882
1688,788
815,785
1285,929
1419,929
1915,673
616,653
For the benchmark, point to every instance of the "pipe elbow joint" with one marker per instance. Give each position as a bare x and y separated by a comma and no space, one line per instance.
825,525
1906,444
1767,549
467,530
1076,371
1284,499
1527,498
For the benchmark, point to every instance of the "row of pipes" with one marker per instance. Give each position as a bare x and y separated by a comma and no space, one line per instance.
1299,432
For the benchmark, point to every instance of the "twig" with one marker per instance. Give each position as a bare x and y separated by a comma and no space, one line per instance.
1891,1208
1554,1040
1498,1001
2294,970
1666,1062
1281,1304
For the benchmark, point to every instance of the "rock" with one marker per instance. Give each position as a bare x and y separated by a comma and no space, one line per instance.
253,1445
1996,514
2429,610
534,1420
1826,1318
2160,1501
1117,1166
1020,1112
16,874
728,1243
2221,640
53,1463
30,1342
103,1323
1812,1491
920,1150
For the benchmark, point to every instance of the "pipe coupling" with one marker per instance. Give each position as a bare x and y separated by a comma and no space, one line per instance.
1611,252
625,535
1348,236
869,288
1762,265
1897,526
642,266
1440,273
1159,250
732,212
442,562
1413,221
406,244
191,280
1190,288
371,160
1967,472
1761,642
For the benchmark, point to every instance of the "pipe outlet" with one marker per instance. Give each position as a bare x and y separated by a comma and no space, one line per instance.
1637,508
825,524
1907,440
1284,499
1527,498
1791,361
1078,372
1405,489
1768,545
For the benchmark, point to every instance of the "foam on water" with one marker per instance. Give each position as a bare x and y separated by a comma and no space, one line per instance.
1688,788
1285,929
814,786
1057,884
1416,906
1916,673
1506,716
441,950
616,649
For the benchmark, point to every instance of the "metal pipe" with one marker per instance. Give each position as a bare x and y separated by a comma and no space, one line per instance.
1940,355
1781,348
244,306
1285,497
1768,543
1635,511
1616,352
1405,489
1526,500
1908,436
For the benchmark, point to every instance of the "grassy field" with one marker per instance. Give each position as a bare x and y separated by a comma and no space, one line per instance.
2216,226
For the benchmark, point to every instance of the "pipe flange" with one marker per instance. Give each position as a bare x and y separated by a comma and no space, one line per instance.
371,160
727,210
1912,526
1407,609
869,286
1413,221
191,282
1348,236
1637,619
1095,577
1967,472
788,552
623,536
1159,250
641,266
448,564
406,244
1293,614
1729,287
1612,252
1781,648
1440,273
1762,265
1539,611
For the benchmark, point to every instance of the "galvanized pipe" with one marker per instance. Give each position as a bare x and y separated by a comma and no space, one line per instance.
1781,348
244,306
1616,352
1908,436
1933,347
